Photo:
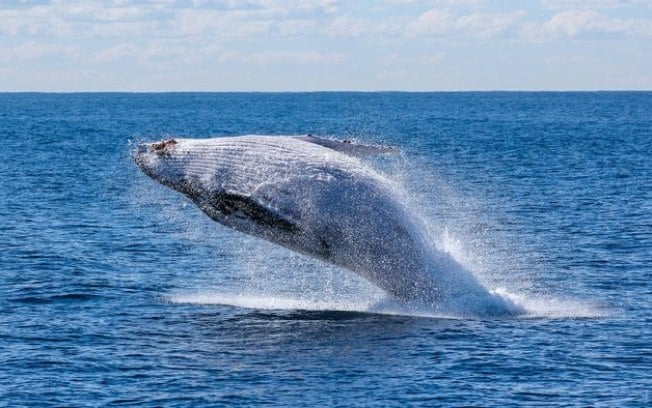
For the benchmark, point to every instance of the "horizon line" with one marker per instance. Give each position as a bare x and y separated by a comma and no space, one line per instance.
325,91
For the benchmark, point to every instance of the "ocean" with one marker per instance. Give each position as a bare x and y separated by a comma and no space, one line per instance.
117,291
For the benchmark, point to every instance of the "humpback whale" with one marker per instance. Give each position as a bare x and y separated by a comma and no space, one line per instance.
316,197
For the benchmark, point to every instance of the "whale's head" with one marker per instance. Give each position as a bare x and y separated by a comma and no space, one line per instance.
180,164
162,161
221,176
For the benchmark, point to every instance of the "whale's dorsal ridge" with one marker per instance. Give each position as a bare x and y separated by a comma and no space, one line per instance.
348,147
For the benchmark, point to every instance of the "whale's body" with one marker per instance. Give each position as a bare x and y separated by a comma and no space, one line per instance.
313,196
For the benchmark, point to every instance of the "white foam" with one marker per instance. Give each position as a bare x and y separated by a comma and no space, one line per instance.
539,306
535,307
270,302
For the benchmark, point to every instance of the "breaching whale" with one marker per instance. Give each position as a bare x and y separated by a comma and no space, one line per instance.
316,197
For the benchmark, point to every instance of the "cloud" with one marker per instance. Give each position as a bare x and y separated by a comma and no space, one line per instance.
438,3
489,25
575,23
218,21
570,23
232,19
283,57
223,38
591,4
346,26
76,19
439,22
33,50
114,53
400,60
434,21
191,22
297,27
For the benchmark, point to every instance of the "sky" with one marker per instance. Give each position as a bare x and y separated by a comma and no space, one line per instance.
321,45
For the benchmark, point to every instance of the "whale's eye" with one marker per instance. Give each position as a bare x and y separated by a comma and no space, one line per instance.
161,147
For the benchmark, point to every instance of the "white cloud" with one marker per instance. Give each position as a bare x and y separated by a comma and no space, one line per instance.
297,27
645,3
114,53
283,57
255,19
573,23
156,53
239,19
570,23
90,12
152,39
75,19
439,3
435,21
402,60
478,24
191,22
489,25
33,50
591,4
346,26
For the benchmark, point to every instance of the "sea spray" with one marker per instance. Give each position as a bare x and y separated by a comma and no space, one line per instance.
341,211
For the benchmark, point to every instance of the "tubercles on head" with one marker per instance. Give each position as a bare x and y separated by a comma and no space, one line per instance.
163,146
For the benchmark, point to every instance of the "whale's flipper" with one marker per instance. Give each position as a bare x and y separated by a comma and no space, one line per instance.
347,147
242,206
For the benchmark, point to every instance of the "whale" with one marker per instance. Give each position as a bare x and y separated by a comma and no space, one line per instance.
321,198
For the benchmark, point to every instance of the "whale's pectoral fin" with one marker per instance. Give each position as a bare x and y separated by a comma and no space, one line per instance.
243,207
348,147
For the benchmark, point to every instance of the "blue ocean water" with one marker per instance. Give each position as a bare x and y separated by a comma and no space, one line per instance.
117,291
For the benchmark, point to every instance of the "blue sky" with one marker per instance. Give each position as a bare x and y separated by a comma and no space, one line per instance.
305,45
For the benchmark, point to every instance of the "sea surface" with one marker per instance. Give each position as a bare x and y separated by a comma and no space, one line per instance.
116,291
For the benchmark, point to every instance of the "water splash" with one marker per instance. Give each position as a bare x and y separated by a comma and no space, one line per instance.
465,272
535,307
549,307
